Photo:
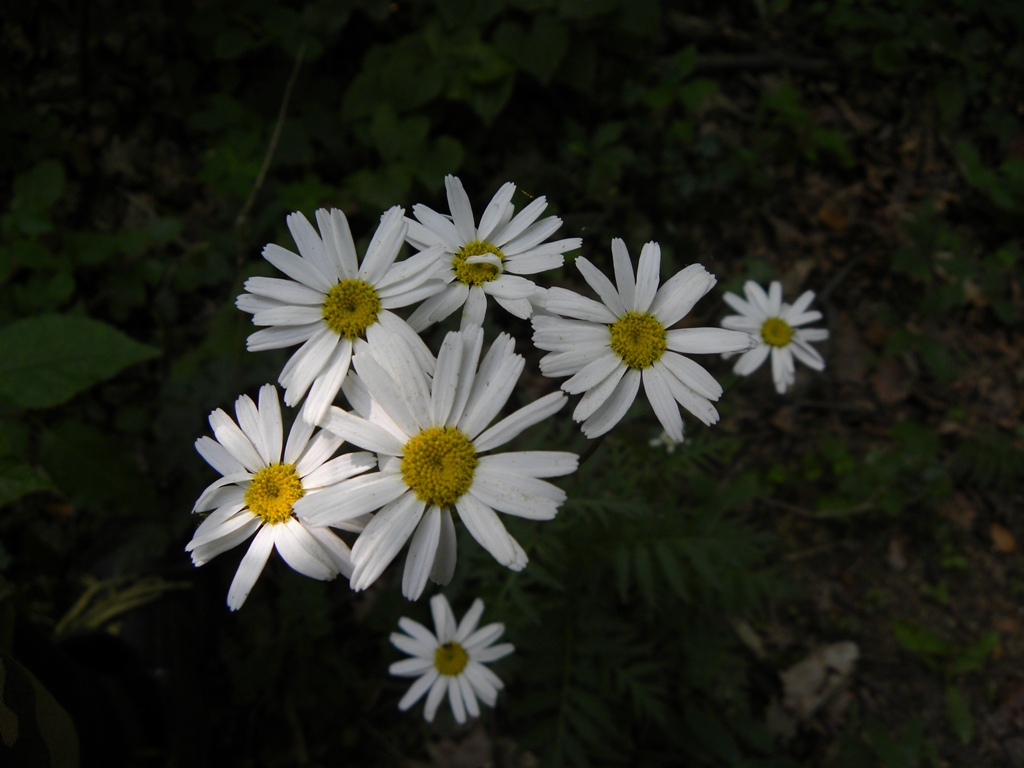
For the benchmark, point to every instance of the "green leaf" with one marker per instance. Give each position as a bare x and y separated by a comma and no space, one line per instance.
47,360
976,655
18,479
919,639
33,193
959,713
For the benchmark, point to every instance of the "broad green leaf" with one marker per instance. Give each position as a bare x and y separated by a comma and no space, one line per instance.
977,654
959,712
920,639
47,360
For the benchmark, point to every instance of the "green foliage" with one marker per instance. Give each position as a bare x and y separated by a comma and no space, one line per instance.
48,359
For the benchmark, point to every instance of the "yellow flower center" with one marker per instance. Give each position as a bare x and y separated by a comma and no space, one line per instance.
476,274
776,332
272,492
438,465
350,307
638,338
450,659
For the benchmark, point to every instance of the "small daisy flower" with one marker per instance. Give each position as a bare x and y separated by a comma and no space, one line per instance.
607,347
451,661
664,441
258,491
431,437
485,261
776,326
331,300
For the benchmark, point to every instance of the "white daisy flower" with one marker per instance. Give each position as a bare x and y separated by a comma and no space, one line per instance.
485,261
776,326
331,300
430,437
451,661
258,491
607,347
664,441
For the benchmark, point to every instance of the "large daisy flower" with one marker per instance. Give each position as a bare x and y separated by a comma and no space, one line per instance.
258,491
481,261
451,661
431,437
776,326
607,347
331,300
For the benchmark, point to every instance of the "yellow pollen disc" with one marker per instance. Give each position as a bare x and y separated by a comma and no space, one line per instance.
438,465
272,492
638,338
776,332
476,274
450,659
351,307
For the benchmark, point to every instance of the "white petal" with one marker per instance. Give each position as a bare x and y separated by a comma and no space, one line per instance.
446,378
349,499
495,652
433,228
514,497
310,245
417,689
804,317
660,397
782,369
494,211
481,683
807,355
556,333
298,438
218,457
691,374
470,621
213,495
604,288
811,334
438,307
444,560
422,645
569,304
231,437
336,470
462,211
623,272
707,341
775,298
251,303
592,374
532,262
752,360
799,306
533,463
302,551
513,424
327,383
335,548
532,236
615,407
437,692
696,404
422,551
338,242
249,421
758,298
468,698
384,536
455,699
204,553
678,295
223,521
648,274
393,324
251,567
571,361
272,424
483,524
307,363
410,667
598,394
499,372
483,637
475,308
445,625
284,336
361,432
285,291
745,308
518,225
297,268
384,246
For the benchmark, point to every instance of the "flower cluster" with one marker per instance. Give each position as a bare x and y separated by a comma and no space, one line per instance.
427,429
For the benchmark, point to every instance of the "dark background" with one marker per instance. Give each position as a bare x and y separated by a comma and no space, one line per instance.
871,151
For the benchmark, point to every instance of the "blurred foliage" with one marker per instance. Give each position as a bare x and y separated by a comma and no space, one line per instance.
132,137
